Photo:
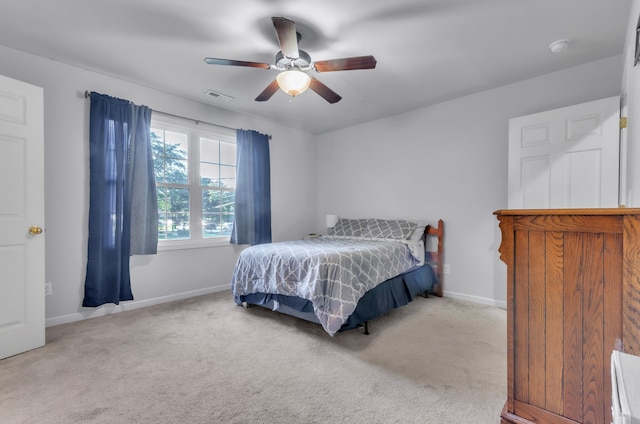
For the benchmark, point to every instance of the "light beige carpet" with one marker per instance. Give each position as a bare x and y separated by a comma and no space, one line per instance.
206,360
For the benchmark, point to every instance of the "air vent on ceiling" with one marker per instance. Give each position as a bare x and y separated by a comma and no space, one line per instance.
218,96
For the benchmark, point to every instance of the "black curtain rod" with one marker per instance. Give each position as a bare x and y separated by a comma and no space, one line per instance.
87,93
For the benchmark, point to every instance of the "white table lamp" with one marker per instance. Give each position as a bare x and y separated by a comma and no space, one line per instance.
332,220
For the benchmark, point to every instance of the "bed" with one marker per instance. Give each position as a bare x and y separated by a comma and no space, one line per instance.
362,269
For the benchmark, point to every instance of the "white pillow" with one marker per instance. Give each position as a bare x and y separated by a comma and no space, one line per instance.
417,233
421,224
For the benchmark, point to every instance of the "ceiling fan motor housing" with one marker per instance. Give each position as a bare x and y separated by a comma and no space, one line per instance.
283,62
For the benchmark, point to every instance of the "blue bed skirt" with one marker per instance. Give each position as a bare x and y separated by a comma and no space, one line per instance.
391,294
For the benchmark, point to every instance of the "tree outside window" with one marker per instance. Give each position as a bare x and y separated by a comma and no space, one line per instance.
195,177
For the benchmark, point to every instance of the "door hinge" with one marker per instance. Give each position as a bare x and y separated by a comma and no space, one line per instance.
623,122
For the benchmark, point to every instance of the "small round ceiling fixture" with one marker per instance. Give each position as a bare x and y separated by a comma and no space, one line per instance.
559,45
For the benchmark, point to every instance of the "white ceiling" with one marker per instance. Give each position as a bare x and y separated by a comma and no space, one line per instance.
428,51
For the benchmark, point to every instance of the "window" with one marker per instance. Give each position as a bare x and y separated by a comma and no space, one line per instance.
195,170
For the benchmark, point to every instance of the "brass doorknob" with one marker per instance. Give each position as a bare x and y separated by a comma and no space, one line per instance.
35,230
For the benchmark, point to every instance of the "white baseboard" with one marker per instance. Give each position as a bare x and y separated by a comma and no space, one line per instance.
476,299
109,309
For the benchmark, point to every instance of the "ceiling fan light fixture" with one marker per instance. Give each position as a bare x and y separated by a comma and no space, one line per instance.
293,82
293,65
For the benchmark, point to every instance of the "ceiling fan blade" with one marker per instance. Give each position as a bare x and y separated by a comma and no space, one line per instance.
324,91
216,61
287,37
268,92
346,64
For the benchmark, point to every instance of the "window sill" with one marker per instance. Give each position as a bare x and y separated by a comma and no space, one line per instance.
192,244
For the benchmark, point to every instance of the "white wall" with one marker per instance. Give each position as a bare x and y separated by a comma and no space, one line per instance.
449,161
170,274
631,105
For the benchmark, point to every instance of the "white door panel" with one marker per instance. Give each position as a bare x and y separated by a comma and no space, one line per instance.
536,180
565,158
21,207
583,176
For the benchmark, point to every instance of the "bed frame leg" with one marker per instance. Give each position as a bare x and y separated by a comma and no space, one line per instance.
366,328
426,294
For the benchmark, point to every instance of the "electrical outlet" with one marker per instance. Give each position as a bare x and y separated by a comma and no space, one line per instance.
48,290
446,269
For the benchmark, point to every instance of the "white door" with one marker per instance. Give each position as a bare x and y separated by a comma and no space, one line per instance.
21,217
566,158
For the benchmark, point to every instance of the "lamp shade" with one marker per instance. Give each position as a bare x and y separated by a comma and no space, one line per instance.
293,82
332,220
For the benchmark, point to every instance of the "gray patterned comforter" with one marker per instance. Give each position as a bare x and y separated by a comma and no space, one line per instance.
332,272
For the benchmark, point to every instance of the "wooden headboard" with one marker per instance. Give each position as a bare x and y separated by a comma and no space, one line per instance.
436,258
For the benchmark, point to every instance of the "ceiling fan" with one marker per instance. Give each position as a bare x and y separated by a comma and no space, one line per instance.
294,63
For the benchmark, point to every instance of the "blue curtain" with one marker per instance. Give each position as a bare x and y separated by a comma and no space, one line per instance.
142,181
252,223
123,212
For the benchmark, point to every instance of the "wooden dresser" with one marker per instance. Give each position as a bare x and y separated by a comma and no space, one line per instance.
573,294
